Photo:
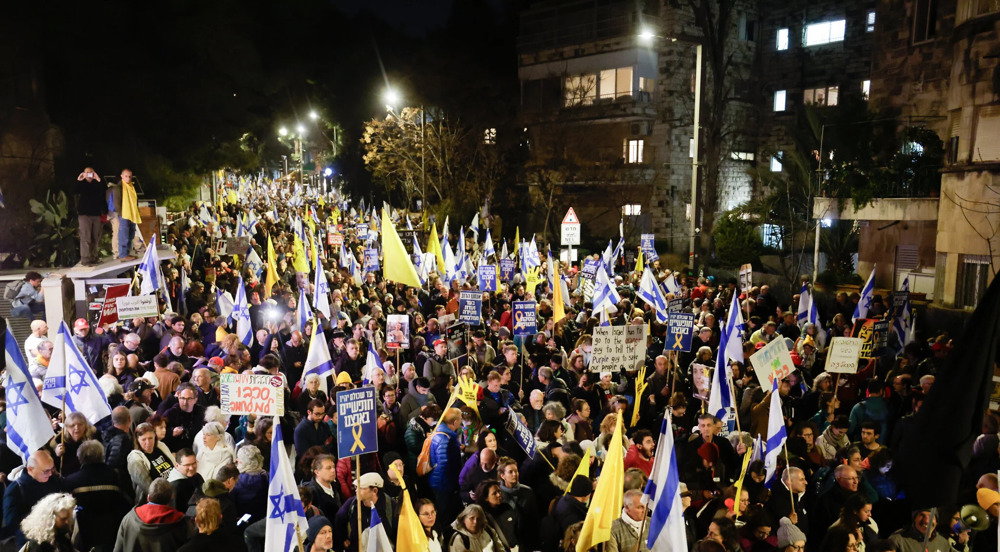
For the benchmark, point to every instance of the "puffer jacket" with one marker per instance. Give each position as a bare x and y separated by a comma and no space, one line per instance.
446,460
416,432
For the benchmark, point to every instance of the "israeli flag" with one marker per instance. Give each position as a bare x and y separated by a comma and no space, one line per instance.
356,270
867,294
488,247
903,323
663,498
474,225
449,261
70,379
344,260
318,359
374,537
321,290
460,271
503,252
776,436
730,348
28,425
241,312
670,285
285,515
607,255
372,361
605,294
805,302
149,269
224,304
650,292
254,263
204,216
182,296
302,311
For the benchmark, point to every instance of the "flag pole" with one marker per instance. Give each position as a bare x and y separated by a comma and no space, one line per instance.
642,527
298,536
791,495
357,470
732,394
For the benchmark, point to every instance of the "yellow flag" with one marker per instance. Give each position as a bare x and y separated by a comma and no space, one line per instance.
558,308
299,263
233,200
434,246
638,262
468,391
517,239
272,269
606,504
739,483
410,536
583,470
396,263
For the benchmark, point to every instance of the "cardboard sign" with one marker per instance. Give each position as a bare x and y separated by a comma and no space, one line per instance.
843,355
525,439
262,395
371,260
470,307
357,431
615,347
109,310
773,361
874,333
397,331
680,332
137,307
525,317
648,248
589,269
746,278
507,267
487,277
702,376
236,246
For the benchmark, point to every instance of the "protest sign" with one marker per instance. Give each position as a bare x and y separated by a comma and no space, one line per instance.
406,236
235,246
843,355
648,247
335,239
675,305
680,331
371,260
357,432
137,307
258,394
507,270
773,361
746,278
109,310
899,300
589,269
487,276
702,376
524,437
470,307
397,331
617,347
874,333
525,317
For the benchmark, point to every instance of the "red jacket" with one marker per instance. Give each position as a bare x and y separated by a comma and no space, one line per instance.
635,460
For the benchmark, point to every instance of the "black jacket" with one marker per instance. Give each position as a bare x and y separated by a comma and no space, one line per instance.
101,503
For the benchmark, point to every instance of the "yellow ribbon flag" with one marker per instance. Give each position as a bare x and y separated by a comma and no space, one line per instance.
739,483
517,240
558,308
583,470
638,262
272,269
233,199
434,246
606,504
300,263
396,264
410,536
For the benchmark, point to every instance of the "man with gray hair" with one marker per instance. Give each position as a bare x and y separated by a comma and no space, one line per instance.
154,525
41,360
99,495
625,529
791,490
35,482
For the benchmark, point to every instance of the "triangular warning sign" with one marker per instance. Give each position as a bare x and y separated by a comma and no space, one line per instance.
570,217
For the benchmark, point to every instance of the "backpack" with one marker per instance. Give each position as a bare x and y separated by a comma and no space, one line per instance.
424,465
11,289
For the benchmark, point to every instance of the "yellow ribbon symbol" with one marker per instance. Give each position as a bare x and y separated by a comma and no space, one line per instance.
678,338
518,315
356,431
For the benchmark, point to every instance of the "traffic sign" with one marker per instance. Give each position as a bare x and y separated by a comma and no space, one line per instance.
570,217
570,227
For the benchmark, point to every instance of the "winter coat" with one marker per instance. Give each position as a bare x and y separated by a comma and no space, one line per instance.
101,503
138,469
828,444
471,475
409,407
464,541
210,460
153,528
416,432
446,459
117,445
250,494
623,537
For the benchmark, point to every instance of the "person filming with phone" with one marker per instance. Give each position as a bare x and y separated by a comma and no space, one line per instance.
90,207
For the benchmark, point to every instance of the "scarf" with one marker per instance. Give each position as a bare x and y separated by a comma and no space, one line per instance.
635,525
130,203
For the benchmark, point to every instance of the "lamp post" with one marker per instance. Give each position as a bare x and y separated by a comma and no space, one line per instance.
392,98
647,35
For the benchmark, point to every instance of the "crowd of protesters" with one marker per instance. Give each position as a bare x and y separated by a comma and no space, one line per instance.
169,471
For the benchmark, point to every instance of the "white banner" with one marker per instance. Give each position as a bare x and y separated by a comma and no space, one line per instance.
141,306
263,395
772,362
615,347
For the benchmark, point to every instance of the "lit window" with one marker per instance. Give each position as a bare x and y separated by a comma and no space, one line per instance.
633,151
580,90
782,39
776,163
616,83
870,22
866,88
632,210
490,136
772,236
742,156
827,95
779,100
824,33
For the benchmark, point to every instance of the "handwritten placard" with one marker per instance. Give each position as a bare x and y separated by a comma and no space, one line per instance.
617,347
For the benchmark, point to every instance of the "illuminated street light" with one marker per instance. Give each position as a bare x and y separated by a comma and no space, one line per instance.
313,115
391,98
301,130
283,131
328,172
646,35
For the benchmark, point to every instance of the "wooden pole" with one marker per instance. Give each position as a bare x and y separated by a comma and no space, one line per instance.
357,471
791,495
732,394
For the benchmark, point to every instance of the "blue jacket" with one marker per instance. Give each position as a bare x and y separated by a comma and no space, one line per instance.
92,346
446,458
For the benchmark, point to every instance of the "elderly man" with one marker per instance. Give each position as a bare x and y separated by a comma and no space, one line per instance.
175,352
911,539
34,483
792,490
92,344
625,530
154,525
184,419
478,468
207,395
41,360
829,503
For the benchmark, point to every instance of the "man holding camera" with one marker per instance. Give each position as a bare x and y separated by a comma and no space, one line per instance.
90,207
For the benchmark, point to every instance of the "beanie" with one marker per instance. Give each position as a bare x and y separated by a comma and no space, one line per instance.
788,533
709,452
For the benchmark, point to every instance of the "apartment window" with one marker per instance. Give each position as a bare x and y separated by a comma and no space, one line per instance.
772,236
866,88
616,83
983,7
924,20
633,210
633,151
646,84
824,33
870,22
973,274
779,100
776,163
580,90
826,95
782,39
747,28
742,156
490,136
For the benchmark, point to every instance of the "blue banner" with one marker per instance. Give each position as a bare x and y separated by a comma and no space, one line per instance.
356,428
525,439
525,317
371,260
675,305
589,269
507,270
648,247
680,331
487,276
470,307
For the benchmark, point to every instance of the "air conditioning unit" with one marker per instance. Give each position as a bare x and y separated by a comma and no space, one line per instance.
641,128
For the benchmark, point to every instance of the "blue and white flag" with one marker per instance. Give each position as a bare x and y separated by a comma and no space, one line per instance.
254,263
619,249
730,348
28,425
71,377
650,292
149,269
344,261
867,294
372,361
805,301
461,273
318,359
321,289
285,515
302,311
663,497
670,285
488,246
607,255
205,216
503,251
758,450
224,304
605,295
776,435
241,312
182,295
902,323
374,537
474,225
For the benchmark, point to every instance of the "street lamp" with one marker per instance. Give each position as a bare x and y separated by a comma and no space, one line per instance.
647,36
283,132
392,98
313,115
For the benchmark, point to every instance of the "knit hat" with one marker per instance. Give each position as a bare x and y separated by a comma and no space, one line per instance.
987,497
316,524
788,533
709,452
581,487
343,378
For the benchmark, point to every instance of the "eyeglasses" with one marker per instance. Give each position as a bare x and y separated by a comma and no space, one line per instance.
429,514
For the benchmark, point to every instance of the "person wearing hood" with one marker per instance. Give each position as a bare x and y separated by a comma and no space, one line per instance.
250,492
473,533
625,530
154,525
